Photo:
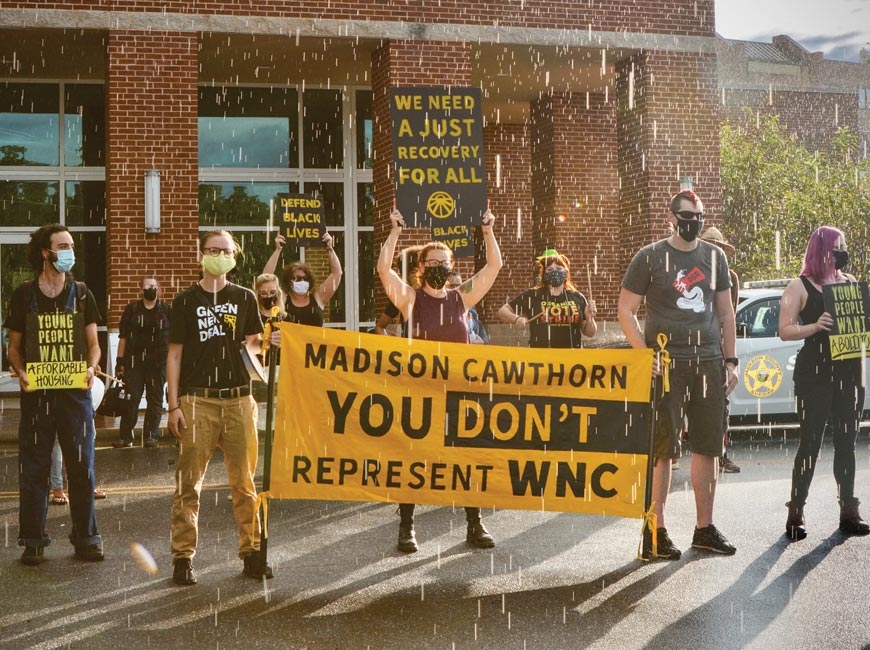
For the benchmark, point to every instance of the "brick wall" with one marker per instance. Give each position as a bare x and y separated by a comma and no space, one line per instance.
151,124
813,117
644,16
575,190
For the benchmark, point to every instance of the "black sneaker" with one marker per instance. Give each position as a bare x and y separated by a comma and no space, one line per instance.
183,573
255,566
666,550
90,553
120,444
32,555
710,539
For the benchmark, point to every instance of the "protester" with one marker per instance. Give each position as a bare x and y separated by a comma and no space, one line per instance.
686,284
64,413
143,338
307,299
830,394
436,313
556,314
712,235
210,402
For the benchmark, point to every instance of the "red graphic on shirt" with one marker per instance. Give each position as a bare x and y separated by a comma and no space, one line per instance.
686,281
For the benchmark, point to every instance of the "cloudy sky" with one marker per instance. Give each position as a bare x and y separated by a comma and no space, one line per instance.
839,28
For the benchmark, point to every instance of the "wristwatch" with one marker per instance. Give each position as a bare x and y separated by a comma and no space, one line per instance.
733,360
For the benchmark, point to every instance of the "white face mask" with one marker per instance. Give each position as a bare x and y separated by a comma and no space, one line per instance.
300,287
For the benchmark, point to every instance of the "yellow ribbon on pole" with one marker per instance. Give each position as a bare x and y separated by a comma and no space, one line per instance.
664,362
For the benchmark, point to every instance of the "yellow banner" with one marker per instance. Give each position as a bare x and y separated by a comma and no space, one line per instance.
362,417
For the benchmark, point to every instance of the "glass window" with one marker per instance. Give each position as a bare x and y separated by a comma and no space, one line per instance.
29,203
85,203
759,320
366,201
223,205
364,129
91,266
332,195
85,124
29,124
248,127
322,146
368,279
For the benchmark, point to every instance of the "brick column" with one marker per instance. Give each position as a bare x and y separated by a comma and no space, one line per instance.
575,190
151,124
669,129
407,63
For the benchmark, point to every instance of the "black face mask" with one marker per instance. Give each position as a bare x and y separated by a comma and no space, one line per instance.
268,302
688,229
841,259
436,276
150,293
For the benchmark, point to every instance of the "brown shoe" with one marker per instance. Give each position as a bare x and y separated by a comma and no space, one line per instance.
795,526
850,519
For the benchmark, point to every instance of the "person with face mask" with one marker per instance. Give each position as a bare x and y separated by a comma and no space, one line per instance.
437,313
306,300
687,286
143,338
830,394
210,403
555,313
48,413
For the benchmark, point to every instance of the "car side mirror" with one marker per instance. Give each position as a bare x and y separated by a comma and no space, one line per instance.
742,330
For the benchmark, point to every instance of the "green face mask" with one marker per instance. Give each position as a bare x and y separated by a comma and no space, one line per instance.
218,265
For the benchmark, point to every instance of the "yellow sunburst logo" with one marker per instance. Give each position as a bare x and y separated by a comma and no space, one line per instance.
763,376
440,205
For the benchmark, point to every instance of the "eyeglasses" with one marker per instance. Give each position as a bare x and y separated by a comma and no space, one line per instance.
688,215
299,278
433,263
271,294
214,252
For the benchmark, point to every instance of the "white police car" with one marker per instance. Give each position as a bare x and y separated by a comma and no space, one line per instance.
765,386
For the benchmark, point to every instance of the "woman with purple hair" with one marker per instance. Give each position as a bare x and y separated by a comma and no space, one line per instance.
829,394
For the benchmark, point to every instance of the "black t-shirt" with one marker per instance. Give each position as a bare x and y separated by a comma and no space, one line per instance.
310,314
211,327
22,299
146,332
558,319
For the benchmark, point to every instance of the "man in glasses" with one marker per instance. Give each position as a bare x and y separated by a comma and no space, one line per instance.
210,402
143,336
686,284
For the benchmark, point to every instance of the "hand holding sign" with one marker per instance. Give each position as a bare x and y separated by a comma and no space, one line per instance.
397,220
488,221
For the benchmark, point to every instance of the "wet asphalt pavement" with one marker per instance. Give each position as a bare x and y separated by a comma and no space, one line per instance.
553,580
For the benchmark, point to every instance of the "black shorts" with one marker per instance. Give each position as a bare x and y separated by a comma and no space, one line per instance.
696,400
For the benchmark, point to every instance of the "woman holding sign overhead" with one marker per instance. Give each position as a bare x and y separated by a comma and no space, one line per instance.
829,393
307,300
437,313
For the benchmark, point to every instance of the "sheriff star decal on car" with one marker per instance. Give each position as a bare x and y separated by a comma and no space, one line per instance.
763,376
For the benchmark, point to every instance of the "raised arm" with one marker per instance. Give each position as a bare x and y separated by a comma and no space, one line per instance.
272,262
400,293
482,281
330,285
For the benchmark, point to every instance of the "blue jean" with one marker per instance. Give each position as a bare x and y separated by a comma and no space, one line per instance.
55,476
148,379
67,415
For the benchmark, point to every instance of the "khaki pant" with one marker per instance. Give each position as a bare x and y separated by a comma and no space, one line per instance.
231,424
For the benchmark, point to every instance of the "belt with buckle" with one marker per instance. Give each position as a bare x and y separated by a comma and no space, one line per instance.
217,393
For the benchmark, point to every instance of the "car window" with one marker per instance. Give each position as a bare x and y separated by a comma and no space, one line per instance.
759,319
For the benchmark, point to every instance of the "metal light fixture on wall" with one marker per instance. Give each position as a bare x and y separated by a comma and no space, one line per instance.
152,201
687,183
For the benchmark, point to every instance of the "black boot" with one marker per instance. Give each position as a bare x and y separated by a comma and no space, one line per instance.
407,537
850,519
795,526
477,534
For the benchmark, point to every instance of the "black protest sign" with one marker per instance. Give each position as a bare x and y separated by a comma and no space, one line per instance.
56,352
849,305
438,160
302,218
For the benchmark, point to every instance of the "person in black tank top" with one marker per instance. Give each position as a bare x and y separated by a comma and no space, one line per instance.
830,394
436,313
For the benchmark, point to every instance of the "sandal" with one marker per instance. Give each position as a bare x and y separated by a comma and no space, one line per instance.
59,498
99,494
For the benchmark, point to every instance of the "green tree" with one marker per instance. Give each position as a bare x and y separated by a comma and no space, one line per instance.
775,193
